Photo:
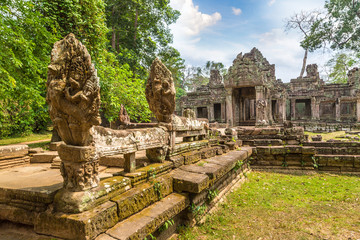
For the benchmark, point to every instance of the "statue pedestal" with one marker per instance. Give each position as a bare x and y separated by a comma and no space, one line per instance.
80,169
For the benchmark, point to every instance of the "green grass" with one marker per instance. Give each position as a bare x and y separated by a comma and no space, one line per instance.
327,136
30,138
279,206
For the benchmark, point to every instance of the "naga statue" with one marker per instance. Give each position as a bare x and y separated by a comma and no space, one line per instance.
160,92
73,91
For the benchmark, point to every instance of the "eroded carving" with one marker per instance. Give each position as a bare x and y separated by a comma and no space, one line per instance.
160,92
73,91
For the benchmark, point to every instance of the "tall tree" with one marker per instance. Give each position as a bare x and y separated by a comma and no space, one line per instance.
339,28
139,29
24,56
303,22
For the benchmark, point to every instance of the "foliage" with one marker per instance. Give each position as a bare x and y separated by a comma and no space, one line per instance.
339,27
211,195
30,138
119,86
25,46
340,65
166,225
285,206
195,77
28,29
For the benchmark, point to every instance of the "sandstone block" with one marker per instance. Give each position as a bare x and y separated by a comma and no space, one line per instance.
76,153
188,181
13,151
45,157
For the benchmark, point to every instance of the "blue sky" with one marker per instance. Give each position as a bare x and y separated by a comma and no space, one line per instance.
218,30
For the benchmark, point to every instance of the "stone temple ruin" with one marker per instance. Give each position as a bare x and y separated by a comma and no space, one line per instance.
127,183
251,95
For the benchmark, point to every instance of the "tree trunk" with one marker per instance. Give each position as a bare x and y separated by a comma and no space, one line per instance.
304,64
135,26
113,39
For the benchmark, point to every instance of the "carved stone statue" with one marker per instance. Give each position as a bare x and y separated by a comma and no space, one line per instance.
160,92
261,105
123,116
189,113
73,91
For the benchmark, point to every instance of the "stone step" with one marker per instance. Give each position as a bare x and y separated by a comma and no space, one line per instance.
194,178
142,224
13,151
338,160
268,142
56,163
45,157
14,162
143,195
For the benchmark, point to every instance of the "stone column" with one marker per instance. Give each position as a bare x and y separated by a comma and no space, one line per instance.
229,107
293,109
337,110
223,116
358,110
313,108
211,116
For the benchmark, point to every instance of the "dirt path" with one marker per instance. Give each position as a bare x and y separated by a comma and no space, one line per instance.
37,141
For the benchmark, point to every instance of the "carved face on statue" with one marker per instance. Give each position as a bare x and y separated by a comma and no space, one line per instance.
73,91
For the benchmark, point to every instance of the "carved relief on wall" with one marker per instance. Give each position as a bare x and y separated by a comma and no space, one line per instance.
73,91
160,92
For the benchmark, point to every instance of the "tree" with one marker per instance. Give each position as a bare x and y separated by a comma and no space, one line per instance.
194,76
302,21
139,28
25,46
339,28
340,65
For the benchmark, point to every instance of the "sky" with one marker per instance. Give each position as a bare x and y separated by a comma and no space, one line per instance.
218,30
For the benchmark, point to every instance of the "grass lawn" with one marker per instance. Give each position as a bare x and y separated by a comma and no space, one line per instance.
30,138
279,206
327,136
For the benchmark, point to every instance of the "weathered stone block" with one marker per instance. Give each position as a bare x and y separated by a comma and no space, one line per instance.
188,181
86,225
308,150
148,220
177,160
231,145
262,150
291,149
76,153
45,157
324,150
212,170
141,196
208,153
192,157
13,151
277,150
113,160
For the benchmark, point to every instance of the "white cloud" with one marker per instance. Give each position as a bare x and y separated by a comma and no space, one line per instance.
271,2
236,11
191,21
188,31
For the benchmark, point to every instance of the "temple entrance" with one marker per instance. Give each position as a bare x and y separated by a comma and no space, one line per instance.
202,112
217,112
303,109
245,106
